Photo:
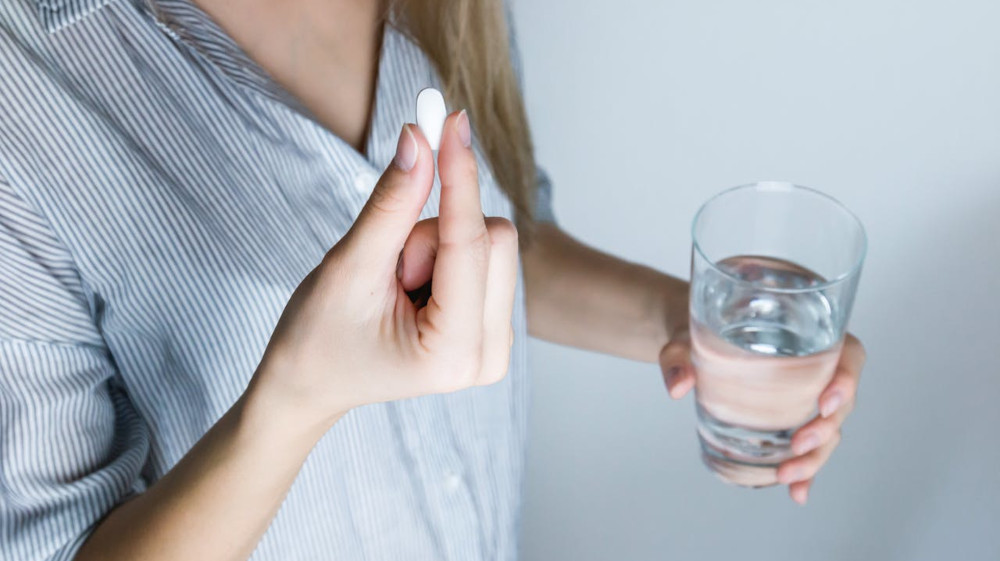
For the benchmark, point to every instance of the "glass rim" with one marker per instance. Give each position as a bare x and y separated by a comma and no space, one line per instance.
852,271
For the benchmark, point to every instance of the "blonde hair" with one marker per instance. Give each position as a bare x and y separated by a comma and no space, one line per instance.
469,43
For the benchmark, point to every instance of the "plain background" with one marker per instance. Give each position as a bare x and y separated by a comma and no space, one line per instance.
641,110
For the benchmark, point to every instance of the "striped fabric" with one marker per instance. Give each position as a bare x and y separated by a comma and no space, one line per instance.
160,198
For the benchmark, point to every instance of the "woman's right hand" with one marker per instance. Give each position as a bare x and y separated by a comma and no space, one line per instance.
350,335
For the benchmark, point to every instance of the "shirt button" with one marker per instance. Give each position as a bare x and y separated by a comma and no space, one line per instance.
452,481
365,181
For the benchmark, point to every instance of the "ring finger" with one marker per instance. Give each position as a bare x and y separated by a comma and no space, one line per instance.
501,281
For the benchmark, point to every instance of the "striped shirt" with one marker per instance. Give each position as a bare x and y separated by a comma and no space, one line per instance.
160,198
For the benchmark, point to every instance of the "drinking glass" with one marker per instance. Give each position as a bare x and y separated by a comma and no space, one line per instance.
774,270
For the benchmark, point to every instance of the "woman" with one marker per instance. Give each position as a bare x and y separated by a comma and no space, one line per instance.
213,310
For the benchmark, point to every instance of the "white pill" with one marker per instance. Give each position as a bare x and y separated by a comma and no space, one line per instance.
431,114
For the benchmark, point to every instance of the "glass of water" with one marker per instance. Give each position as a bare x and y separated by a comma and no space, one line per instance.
774,269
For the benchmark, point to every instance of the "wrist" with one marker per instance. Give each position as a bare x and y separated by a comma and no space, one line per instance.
274,409
667,306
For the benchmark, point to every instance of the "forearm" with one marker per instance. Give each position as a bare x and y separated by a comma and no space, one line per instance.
219,499
579,296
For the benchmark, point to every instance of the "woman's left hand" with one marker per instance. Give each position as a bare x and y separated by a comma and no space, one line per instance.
813,442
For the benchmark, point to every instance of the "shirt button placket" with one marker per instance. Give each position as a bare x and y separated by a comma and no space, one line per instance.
365,181
452,481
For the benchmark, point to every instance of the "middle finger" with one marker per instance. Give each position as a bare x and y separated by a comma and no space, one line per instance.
501,283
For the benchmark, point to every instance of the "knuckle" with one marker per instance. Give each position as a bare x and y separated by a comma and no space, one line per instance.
474,240
480,238
384,199
502,232
478,246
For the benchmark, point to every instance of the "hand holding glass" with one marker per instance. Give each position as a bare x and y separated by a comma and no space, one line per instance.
774,270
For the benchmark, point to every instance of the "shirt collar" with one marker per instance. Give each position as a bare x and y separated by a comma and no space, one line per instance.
57,14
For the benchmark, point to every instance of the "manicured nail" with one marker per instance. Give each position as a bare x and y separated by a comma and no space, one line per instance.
406,150
464,131
831,404
807,444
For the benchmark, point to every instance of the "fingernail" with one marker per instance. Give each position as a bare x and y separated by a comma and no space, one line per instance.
464,131
831,404
406,150
399,266
806,444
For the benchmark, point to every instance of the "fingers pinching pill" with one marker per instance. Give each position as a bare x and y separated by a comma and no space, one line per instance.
431,113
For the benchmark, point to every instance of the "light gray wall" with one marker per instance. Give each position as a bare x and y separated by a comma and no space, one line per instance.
641,110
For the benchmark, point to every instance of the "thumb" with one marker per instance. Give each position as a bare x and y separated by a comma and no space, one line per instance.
675,361
384,223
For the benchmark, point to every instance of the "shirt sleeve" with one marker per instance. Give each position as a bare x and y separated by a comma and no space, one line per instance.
71,445
543,186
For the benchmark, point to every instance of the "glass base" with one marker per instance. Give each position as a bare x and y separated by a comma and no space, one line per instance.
743,456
